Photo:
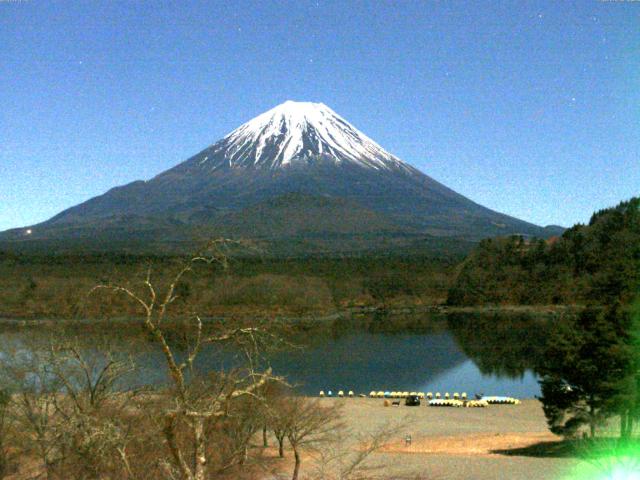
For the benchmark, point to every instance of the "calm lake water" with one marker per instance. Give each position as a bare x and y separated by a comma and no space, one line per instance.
424,362
487,354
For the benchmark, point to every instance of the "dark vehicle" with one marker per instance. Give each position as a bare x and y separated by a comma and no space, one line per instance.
412,401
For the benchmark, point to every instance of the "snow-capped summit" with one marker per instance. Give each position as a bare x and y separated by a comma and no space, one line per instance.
299,132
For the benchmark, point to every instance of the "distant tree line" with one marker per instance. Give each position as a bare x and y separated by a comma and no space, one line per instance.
594,264
55,286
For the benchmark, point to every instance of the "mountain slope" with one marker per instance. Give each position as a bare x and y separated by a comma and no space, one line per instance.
297,151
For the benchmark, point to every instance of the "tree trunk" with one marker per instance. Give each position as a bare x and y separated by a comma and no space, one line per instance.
626,425
200,450
265,444
296,468
245,454
592,418
170,435
47,469
624,417
45,458
281,447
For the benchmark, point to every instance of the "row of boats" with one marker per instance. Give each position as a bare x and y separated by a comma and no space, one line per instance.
480,402
435,400
421,395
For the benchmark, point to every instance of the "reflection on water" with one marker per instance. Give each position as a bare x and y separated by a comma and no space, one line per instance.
505,346
366,361
468,378
471,353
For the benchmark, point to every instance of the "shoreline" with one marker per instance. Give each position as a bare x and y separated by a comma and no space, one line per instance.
352,313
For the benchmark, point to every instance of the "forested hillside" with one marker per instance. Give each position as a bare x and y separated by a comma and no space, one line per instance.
57,286
590,264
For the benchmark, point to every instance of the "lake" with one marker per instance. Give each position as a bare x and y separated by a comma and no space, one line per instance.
472,353
423,362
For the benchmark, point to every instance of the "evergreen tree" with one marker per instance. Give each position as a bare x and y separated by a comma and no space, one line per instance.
586,360
626,400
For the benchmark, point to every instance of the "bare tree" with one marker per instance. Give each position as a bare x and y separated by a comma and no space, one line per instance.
277,413
66,410
89,374
244,419
194,404
352,461
309,426
92,408
271,394
33,387
279,424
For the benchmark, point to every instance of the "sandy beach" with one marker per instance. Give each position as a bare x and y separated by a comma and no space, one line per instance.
459,443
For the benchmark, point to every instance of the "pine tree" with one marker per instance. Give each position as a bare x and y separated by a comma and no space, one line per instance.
586,360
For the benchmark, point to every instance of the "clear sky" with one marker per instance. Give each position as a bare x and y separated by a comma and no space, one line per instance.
529,108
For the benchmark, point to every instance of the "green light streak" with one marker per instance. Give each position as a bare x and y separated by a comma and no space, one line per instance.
609,461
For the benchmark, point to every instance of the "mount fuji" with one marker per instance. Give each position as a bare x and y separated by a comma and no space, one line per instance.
296,174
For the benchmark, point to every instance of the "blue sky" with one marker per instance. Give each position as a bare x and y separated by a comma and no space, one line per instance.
529,108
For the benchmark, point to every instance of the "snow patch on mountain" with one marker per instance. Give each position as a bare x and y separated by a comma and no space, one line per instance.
300,132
